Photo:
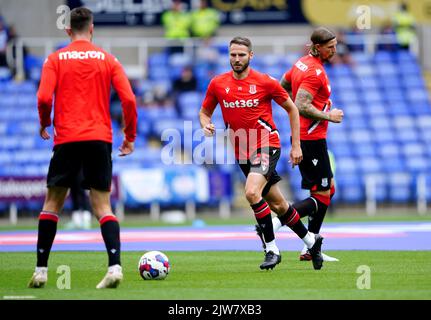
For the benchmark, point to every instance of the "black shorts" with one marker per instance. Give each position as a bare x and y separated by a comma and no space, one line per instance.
315,167
263,161
92,157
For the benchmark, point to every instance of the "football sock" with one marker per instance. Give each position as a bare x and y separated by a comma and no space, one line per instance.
305,207
276,224
309,239
271,246
262,213
315,220
292,220
46,233
111,236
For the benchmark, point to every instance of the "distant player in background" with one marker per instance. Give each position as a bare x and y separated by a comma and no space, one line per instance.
308,84
80,77
245,97
81,215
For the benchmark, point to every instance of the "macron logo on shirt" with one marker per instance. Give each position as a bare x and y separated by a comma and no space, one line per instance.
81,55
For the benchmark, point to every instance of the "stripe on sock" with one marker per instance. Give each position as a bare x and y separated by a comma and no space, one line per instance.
293,219
261,209
47,215
107,218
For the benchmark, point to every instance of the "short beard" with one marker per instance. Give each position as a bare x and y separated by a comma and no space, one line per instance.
242,69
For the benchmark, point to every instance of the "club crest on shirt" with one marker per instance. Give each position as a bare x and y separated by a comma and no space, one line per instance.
252,89
324,182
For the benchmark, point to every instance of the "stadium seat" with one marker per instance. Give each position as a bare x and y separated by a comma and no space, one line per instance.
400,187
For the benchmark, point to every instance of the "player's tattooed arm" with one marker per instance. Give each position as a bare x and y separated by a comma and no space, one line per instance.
286,85
303,102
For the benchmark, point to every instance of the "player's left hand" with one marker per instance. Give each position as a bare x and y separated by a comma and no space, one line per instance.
44,134
126,148
295,156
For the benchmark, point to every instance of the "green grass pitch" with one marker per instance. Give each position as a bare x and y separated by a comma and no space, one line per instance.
227,275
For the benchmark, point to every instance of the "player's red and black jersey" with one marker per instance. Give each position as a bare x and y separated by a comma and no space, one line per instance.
80,77
308,73
247,110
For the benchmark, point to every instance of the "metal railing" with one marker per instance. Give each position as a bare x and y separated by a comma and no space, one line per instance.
275,45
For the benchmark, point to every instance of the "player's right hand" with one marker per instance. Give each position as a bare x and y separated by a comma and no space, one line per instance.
336,115
295,156
209,130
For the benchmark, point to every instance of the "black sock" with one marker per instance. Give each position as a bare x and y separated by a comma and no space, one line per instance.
305,207
111,236
262,213
292,219
315,220
46,233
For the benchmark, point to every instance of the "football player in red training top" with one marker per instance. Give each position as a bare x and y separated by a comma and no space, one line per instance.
245,96
80,77
308,84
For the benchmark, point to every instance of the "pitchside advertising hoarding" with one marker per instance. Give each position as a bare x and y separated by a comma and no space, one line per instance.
24,188
138,186
341,13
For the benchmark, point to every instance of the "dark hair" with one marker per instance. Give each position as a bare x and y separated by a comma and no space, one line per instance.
80,19
241,41
320,35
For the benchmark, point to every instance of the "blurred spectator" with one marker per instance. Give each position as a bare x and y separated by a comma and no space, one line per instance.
205,21
355,39
12,38
405,28
81,216
3,43
343,52
186,82
388,30
176,23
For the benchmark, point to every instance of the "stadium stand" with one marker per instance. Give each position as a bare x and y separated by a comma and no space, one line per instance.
386,132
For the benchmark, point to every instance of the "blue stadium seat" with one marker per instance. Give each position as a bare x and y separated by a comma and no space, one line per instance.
383,56
158,59
350,188
364,71
368,83
393,164
388,151
407,136
363,150
417,164
370,164
413,81
346,165
399,108
417,95
341,149
400,187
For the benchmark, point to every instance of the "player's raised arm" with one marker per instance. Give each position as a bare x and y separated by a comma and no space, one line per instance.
292,110
304,103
